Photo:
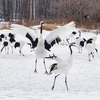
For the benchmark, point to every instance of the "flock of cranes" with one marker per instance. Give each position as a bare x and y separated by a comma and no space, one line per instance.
42,46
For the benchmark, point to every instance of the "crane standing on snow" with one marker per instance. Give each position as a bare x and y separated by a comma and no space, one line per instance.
43,45
80,42
91,46
62,66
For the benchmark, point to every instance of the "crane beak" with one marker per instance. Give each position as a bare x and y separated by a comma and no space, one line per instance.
73,44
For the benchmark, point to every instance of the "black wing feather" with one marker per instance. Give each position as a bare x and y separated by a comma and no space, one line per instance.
58,40
89,40
53,42
47,46
34,43
82,43
53,66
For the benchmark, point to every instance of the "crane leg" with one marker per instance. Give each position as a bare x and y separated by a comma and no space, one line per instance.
89,57
66,83
54,81
45,66
96,50
8,50
92,54
12,48
35,71
2,49
21,53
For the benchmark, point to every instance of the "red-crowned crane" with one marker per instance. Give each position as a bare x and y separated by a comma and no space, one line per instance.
91,46
62,66
80,42
43,45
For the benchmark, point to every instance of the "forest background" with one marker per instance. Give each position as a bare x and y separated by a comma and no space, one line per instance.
86,13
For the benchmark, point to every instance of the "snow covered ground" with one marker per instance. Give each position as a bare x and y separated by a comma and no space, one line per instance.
18,82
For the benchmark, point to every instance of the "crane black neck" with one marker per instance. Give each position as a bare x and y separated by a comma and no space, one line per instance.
79,34
70,50
41,29
72,44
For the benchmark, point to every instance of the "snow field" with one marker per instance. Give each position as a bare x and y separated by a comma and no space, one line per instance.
18,82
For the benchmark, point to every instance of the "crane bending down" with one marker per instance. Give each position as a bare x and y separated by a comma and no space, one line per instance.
62,66
43,45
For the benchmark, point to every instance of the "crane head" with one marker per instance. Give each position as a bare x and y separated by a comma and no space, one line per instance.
41,22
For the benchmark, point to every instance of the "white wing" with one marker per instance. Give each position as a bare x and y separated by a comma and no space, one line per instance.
61,61
58,34
61,32
23,30
26,32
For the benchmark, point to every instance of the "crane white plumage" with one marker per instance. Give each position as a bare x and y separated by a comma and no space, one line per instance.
62,66
43,45
94,37
91,46
80,42
20,44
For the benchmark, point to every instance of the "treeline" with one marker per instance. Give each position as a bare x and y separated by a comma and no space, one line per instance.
26,9
52,10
